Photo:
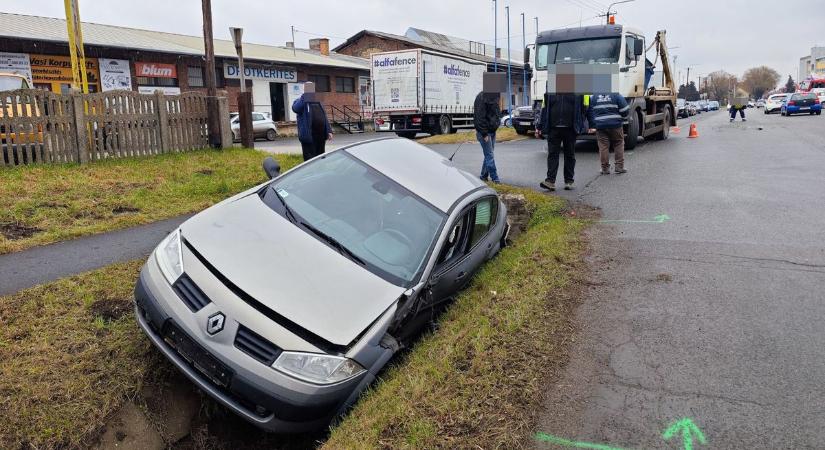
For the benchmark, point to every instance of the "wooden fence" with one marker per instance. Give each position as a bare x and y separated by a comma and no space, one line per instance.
42,127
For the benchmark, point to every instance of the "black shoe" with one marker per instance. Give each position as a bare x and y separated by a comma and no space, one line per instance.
568,186
621,171
549,185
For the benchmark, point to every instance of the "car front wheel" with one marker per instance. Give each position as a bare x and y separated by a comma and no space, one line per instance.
271,135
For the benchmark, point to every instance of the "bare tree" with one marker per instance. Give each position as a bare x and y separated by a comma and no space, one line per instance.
759,80
719,85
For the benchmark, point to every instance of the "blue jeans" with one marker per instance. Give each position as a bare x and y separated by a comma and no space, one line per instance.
488,167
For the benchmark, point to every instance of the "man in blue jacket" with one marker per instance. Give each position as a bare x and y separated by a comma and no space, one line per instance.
562,119
606,115
313,126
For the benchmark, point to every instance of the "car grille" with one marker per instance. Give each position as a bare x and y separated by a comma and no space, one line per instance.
256,346
190,293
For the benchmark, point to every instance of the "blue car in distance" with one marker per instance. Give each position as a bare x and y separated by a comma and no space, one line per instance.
800,103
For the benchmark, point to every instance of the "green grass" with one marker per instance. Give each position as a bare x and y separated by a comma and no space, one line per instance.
502,135
71,354
477,380
49,203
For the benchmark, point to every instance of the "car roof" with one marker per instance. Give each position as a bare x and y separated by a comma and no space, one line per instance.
419,169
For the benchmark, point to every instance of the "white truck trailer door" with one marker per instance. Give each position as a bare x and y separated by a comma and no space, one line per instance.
395,80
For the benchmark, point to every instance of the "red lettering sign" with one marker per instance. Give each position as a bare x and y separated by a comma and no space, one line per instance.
155,70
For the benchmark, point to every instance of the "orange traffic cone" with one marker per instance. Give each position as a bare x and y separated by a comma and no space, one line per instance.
693,133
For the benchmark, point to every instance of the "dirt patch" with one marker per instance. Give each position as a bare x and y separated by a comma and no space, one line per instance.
53,205
205,172
664,278
125,210
110,308
580,210
12,230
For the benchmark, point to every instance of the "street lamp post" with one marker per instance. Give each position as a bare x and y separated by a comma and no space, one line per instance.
611,7
509,82
523,71
495,36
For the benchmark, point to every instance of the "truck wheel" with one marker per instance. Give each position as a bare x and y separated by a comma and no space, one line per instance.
520,130
662,135
406,134
444,125
632,137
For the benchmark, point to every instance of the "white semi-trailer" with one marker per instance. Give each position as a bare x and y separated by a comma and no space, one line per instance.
424,91
652,100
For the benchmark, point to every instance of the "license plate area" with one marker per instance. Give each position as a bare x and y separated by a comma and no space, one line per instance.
196,356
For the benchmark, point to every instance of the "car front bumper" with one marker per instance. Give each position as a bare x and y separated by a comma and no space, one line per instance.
279,404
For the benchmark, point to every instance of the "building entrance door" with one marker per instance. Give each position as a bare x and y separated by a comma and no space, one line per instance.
277,95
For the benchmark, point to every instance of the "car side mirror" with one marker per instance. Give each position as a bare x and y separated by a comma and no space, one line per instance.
527,55
638,48
271,167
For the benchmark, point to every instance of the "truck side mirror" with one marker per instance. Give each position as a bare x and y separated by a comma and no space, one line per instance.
527,55
638,47
527,68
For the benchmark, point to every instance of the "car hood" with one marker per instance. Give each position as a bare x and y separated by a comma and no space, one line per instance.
288,270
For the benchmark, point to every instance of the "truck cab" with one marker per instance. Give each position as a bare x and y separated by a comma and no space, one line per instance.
652,107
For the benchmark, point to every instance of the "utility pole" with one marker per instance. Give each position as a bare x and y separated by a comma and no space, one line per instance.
509,82
244,97
523,69
495,36
76,52
211,88
537,25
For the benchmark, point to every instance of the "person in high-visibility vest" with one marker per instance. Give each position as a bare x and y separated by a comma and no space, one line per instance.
561,120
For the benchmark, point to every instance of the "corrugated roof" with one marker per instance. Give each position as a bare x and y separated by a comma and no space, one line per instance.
427,45
54,30
516,52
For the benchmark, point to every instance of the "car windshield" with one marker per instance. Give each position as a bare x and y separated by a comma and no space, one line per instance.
381,223
591,51
9,83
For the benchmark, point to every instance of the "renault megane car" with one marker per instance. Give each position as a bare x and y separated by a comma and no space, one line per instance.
284,301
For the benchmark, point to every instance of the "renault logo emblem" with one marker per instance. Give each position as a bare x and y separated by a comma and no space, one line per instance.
214,323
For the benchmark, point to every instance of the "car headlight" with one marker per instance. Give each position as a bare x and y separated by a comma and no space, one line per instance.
317,368
516,113
169,257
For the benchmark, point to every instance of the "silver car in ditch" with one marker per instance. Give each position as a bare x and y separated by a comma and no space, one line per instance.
284,301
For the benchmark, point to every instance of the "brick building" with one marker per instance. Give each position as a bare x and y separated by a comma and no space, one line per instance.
145,61
367,42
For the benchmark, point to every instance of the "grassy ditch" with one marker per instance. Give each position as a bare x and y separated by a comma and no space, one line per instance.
71,354
476,381
48,203
502,135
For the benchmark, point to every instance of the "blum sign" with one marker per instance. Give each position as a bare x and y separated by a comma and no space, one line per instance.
155,70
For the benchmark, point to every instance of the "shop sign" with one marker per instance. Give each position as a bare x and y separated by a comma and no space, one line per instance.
274,74
167,90
155,70
17,63
115,74
58,69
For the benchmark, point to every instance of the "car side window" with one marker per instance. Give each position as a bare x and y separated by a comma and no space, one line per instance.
454,244
257,117
484,218
629,56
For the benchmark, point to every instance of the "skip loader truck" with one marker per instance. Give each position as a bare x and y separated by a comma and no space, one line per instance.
652,107
420,90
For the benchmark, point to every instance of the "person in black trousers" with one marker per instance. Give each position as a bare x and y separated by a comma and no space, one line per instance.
313,125
562,119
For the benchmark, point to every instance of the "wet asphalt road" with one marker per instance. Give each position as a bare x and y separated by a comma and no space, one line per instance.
714,315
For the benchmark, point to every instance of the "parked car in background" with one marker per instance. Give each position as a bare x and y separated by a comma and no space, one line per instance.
691,108
760,103
703,105
774,103
262,126
284,302
681,108
524,119
801,103
751,104
713,105
697,108
820,93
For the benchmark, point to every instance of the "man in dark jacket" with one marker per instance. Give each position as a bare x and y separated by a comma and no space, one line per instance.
313,126
606,116
486,114
562,119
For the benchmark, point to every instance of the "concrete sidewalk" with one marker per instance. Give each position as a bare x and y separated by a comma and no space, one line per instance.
40,265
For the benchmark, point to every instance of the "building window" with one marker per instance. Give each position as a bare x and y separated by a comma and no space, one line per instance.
345,84
195,76
321,82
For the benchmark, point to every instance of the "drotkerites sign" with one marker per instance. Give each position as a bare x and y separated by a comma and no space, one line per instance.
18,63
114,74
273,74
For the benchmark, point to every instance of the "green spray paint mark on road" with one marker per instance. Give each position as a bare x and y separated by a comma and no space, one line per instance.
661,218
544,437
689,431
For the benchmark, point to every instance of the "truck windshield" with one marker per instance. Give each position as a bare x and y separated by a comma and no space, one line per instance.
591,51
10,83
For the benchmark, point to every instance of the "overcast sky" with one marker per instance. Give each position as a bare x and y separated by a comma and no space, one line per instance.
711,34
